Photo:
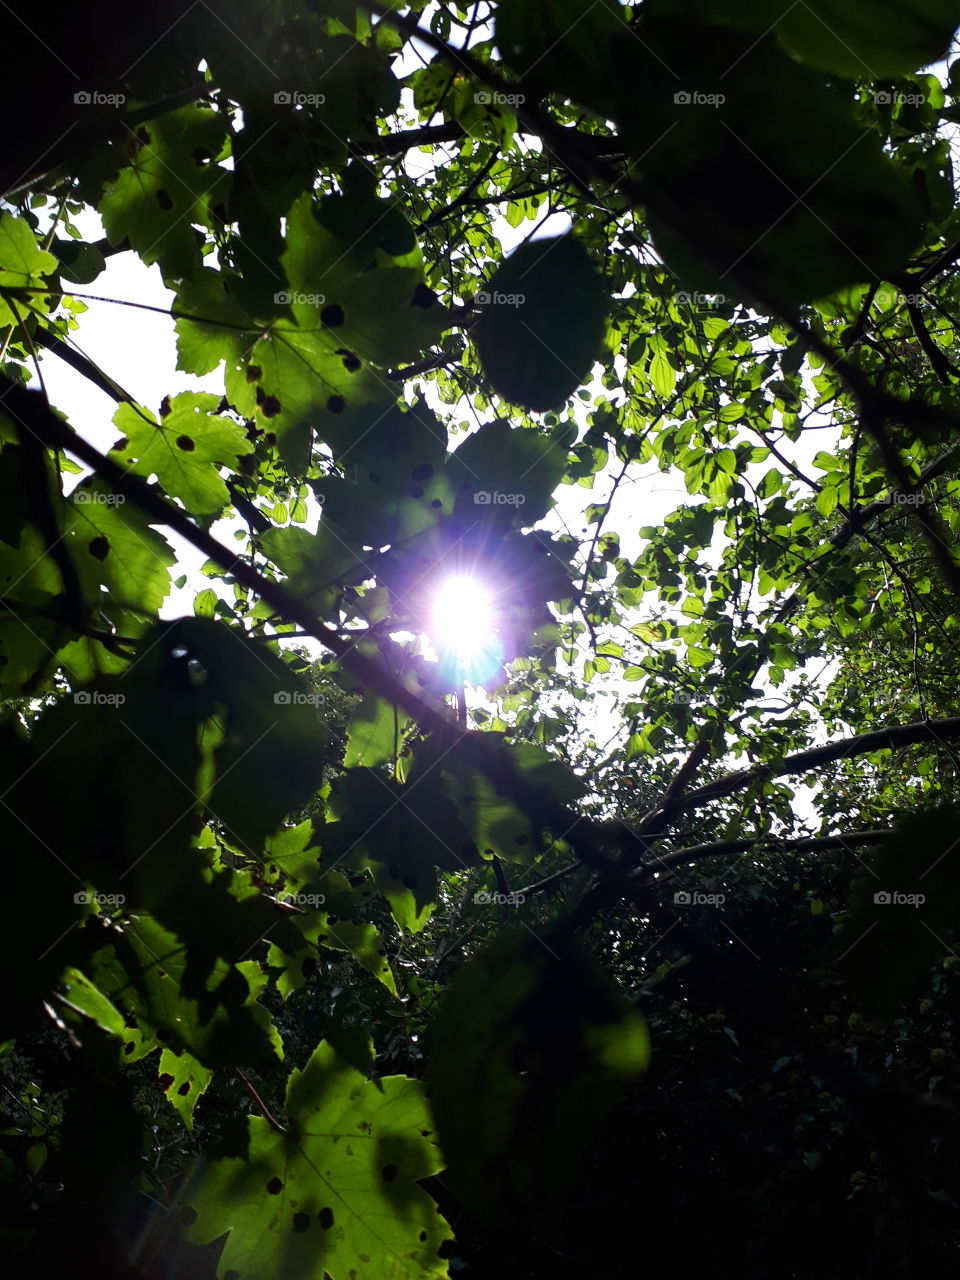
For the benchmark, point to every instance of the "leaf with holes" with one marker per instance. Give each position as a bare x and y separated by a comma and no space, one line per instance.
183,449
113,546
182,1079
335,1194
169,184
344,323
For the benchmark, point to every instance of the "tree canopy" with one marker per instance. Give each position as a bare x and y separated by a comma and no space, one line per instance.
337,955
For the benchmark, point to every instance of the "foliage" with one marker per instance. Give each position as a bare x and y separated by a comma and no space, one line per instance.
327,973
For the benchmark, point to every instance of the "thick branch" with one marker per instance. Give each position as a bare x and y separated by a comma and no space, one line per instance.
815,757
395,144
809,844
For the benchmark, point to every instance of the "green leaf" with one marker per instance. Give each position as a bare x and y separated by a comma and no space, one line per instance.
651,632
504,792
205,603
316,564
662,374
851,38
80,263
270,758
561,45
78,993
170,183
509,473
113,546
541,322
336,1193
22,263
827,498
375,732
183,448
404,833
292,852
764,139
348,320
365,942
151,975
182,1079
868,41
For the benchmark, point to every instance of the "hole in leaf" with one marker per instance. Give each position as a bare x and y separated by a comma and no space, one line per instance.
99,548
351,362
332,317
325,1218
274,1186
164,201
186,444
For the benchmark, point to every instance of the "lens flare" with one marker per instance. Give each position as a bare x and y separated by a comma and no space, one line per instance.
463,629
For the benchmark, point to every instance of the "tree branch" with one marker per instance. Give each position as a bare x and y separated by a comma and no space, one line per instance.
814,757
811,844
32,412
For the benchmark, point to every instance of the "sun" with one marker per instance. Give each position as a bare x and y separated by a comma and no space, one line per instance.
463,627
